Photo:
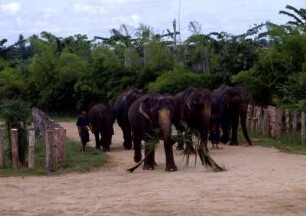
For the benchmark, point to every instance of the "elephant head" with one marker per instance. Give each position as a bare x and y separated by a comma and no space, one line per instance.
198,106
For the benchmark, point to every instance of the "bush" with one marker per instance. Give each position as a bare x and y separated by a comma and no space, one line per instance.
17,114
179,79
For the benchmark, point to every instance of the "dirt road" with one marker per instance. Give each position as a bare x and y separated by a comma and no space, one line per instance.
259,181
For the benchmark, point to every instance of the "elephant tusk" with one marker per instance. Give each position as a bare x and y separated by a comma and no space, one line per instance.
142,112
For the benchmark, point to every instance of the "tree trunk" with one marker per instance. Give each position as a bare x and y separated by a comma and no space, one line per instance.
1,149
31,152
14,143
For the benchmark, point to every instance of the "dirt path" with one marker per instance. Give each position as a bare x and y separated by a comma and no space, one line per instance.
259,181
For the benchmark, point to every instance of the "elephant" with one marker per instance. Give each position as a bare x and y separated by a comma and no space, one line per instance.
122,105
150,112
228,104
193,107
101,118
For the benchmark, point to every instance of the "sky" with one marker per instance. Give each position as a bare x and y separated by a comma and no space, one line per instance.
97,17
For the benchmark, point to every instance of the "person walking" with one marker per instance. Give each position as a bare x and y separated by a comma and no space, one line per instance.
83,128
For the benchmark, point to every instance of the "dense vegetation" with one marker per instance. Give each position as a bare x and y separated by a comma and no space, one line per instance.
63,74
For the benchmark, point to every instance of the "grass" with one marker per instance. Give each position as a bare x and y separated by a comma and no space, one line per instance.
63,118
75,161
284,144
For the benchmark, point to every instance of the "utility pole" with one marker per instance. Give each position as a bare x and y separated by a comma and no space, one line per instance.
174,33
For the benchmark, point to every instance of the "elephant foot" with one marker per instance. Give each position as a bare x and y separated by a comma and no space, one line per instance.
137,158
127,146
172,168
106,148
149,167
232,143
180,147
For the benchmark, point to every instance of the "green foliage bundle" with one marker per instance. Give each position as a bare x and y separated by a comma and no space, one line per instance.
17,114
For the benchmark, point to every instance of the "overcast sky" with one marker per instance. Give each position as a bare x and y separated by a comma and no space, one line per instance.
97,17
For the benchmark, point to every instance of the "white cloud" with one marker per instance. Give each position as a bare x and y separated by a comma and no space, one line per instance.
132,19
88,8
12,7
19,21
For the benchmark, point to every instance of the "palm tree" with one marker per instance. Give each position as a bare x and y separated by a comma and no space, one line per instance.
298,15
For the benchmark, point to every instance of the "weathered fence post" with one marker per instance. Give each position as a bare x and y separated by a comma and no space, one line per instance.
257,114
14,142
249,116
1,149
287,120
278,123
31,152
57,147
294,124
62,145
303,127
49,144
267,128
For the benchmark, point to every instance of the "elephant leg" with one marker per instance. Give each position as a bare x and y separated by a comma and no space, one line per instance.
127,143
170,165
149,163
225,137
235,123
97,139
137,148
243,117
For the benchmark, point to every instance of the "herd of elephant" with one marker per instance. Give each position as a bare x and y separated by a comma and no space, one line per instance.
139,113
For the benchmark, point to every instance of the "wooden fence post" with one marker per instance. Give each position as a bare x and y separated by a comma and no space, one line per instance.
278,123
62,145
31,152
57,147
267,128
14,142
249,116
294,124
303,127
49,144
287,120
1,149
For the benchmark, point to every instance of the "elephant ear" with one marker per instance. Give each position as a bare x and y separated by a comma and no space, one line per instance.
145,107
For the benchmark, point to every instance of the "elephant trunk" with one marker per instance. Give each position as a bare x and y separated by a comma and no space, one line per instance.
243,117
205,123
164,121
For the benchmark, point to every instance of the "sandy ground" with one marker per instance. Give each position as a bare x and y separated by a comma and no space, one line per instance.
259,181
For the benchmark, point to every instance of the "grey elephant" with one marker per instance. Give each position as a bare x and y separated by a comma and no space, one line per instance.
101,119
152,111
229,105
121,107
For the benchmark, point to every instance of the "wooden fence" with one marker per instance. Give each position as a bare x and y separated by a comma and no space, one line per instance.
53,138
276,122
